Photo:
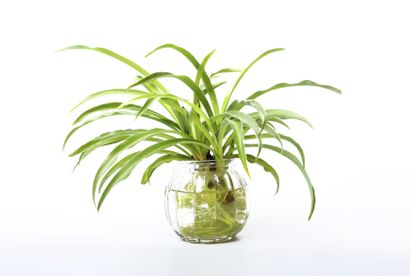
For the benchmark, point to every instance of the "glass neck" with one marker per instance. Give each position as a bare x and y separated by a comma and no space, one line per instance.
208,165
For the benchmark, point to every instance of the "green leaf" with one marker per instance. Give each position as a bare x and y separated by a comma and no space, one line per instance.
271,130
245,119
129,165
267,167
278,120
105,115
108,53
239,137
250,122
143,109
261,111
181,50
225,70
242,74
223,129
215,85
294,160
126,110
133,92
171,96
186,80
112,157
283,137
117,166
235,105
202,66
209,88
149,78
286,114
160,161
296,145
130,109
104,139
152,87
98,142
200,128
302,83
98,108
110,92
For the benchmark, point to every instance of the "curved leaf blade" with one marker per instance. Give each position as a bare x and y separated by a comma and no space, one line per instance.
302,83
113,156
267,167
296,145
129,165
171,96
202,67
206,80
294,160
105,115
287,114
242,74
108,53
239,137
161,161
104,139
224,70
250,122
92,96
185,79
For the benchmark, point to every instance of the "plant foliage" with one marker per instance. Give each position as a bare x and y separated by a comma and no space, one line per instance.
196,128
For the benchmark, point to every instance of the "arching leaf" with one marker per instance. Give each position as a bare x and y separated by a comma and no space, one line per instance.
242,74
302,83
294,160
128,167
160,161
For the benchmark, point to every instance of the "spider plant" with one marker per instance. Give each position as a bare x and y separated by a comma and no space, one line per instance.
198,127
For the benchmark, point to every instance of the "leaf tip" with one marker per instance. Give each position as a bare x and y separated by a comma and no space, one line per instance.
309,216
73,108
151,52
99,205
76,165
249,174
72,47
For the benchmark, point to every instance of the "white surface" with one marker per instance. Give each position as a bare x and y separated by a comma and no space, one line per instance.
359,156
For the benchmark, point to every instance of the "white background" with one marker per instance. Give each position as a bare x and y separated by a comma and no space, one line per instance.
360,155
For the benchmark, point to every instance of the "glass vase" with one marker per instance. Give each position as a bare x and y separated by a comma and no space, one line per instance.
206,201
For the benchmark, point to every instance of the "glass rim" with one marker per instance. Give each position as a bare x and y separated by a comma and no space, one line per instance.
207,162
